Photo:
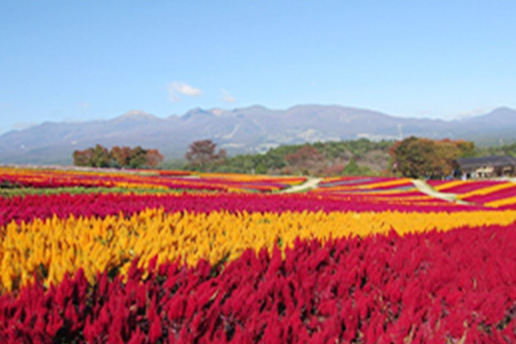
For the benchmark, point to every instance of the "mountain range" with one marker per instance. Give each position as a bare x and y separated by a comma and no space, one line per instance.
244,130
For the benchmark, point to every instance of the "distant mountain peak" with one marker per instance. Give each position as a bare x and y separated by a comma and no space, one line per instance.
498,115
503,110
242,130
217,111
135,114
314,106
252,108
196,112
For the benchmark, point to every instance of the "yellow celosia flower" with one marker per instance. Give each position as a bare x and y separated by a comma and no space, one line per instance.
55,247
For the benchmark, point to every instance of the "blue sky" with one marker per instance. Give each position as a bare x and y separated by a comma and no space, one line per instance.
80,60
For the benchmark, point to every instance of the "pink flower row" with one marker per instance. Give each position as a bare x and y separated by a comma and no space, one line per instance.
30,207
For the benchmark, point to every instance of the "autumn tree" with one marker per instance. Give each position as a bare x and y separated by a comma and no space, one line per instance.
153,158
305,159
118,157
202,153
420,157
333,170
121,155
467,148
446,152
83,158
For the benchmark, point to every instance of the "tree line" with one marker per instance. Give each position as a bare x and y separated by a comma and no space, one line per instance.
359,157
117,157
412,157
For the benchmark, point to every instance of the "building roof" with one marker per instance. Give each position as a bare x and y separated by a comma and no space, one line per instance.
495,161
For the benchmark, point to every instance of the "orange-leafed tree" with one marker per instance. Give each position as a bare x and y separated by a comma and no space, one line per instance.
121,155
83,157
153,158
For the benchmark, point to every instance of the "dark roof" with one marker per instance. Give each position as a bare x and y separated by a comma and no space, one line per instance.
495,161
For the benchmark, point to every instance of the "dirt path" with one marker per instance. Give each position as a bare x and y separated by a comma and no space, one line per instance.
310,184
427,189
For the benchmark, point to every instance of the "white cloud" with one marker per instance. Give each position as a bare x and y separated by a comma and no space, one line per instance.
227,97
178,88
24,125
473,113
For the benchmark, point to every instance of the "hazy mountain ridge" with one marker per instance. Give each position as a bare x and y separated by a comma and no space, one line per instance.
242,130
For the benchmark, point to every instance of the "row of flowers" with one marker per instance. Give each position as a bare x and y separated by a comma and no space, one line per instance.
239,177
51,248
453,287
38,178
358,181
377,190
30,207
489,193
370,186
461,186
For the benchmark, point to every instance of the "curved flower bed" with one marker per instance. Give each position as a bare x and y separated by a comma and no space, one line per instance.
489,193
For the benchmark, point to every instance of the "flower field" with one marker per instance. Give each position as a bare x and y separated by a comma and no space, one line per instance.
144,179
379,190
229,258
498,194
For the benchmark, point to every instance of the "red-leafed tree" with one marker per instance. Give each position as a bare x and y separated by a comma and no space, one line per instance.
83,158
305,159
92,157
203,153
121,155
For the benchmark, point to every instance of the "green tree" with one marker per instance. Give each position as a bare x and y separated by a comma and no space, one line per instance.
101,157
354,169
413,157
351,169
138,157
261,168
